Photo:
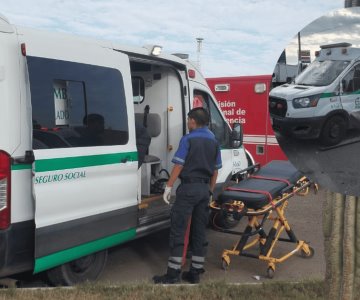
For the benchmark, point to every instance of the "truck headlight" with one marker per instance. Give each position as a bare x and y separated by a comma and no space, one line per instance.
304,102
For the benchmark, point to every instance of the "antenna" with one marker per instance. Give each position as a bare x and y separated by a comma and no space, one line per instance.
199,41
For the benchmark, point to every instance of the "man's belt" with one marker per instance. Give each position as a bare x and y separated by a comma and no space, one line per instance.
195,180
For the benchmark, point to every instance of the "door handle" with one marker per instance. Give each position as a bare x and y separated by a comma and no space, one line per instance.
29,158
124,160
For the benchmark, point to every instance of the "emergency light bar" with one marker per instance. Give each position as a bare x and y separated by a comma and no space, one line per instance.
154,50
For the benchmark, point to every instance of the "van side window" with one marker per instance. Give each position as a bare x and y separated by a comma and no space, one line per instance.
217,124
76,105
351,82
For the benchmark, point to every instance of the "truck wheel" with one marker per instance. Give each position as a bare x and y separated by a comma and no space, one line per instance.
333,131
87,268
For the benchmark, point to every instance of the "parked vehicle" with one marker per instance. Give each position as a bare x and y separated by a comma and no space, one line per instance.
323,101
71,183
284,73
244,99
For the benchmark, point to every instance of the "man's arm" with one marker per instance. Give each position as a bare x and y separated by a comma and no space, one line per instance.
175,172
213,180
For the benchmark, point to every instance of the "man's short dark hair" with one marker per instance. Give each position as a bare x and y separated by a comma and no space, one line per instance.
200,115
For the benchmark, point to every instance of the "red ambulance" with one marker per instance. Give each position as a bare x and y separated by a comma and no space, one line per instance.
244,100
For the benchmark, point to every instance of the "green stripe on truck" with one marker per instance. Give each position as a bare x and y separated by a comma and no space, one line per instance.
52,164
65,256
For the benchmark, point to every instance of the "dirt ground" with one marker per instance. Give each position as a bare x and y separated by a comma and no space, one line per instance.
139,260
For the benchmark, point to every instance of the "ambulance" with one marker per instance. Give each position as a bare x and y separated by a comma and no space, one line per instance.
323,101
75,118
244,99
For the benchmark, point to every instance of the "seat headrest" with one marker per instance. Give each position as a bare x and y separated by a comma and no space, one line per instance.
153,123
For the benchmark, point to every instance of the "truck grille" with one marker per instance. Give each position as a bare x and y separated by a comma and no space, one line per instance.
277,106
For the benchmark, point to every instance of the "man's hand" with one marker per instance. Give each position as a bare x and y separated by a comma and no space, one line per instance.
167,194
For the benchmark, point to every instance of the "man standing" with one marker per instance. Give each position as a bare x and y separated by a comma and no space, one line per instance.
196,163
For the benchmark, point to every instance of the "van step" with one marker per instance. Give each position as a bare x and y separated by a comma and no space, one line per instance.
152,228
154,214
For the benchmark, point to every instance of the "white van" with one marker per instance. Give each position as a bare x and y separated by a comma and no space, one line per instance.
70,186
323,101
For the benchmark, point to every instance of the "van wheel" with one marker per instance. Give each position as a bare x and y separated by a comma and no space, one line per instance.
87,268
220,221
333,131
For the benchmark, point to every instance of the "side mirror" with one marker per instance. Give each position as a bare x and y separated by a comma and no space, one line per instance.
236,136
339,89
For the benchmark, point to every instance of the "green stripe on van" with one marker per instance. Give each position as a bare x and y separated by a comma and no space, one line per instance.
327,95
62,257
352,93
52,164
21,167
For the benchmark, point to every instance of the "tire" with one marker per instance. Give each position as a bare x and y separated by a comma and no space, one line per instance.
224,222
216,219
333,131
87,268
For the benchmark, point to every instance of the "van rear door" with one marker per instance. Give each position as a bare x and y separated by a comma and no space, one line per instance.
85,169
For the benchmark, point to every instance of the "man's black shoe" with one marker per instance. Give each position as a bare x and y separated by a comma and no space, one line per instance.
172,276
165,279
192,276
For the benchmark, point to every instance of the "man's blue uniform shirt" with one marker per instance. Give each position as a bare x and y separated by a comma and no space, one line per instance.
198,153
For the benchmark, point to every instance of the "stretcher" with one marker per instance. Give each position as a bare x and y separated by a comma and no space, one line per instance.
261,197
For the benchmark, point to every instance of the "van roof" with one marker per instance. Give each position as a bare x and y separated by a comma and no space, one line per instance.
145,52
133,51
4,19
5,25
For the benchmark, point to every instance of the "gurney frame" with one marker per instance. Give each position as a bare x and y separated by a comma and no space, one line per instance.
273,211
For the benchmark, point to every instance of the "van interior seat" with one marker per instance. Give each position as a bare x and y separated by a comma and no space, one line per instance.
153,128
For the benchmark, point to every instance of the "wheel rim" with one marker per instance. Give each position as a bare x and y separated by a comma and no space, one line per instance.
229,218
334,131
81,265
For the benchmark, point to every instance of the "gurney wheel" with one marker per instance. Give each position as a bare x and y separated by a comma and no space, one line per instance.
224,264
308,255
270,272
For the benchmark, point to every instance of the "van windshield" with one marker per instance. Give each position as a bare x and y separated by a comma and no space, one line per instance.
321,73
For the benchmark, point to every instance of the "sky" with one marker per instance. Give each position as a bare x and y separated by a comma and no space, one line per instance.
338,26
241,37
